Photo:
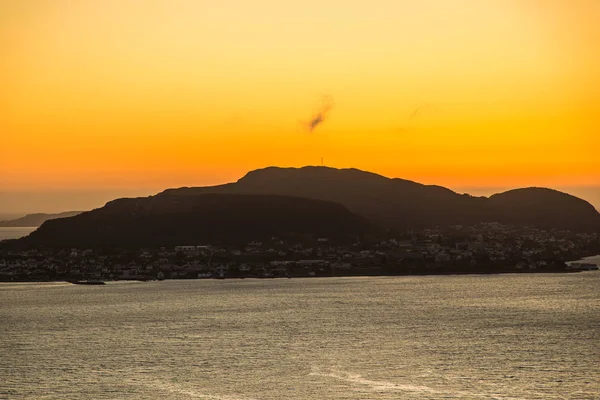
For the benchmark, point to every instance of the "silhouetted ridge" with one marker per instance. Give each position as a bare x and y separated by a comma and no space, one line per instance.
403,204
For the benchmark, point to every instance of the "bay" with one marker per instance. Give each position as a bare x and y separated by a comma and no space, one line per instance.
434,337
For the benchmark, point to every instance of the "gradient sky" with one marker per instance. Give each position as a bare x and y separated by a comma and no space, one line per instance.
136,94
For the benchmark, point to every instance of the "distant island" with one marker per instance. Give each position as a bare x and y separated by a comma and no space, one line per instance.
311,221
33,220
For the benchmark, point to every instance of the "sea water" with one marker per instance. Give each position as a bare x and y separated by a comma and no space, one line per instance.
503,337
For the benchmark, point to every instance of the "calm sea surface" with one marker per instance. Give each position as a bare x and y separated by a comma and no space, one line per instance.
15,233
438,337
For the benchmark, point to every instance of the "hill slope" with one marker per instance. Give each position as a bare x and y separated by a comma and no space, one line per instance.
36,219
190,220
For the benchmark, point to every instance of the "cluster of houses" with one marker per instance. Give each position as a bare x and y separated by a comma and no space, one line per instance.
484,248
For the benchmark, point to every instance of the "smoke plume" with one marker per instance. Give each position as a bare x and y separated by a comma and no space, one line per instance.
319,116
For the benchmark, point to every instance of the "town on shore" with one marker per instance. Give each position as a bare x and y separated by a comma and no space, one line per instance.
480,249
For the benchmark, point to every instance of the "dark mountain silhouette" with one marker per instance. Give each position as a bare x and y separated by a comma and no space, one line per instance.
191,220
315,201
403,204
36,219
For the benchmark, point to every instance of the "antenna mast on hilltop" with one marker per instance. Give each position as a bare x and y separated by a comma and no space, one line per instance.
322,161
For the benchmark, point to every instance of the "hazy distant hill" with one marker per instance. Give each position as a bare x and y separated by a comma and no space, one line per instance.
36,219
402,204
190,220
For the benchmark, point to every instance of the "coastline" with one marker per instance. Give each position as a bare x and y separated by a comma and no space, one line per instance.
453,273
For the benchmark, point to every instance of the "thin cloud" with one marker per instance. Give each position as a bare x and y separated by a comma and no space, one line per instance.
423,111
420,111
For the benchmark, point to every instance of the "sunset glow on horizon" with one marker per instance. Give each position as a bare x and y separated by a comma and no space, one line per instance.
138,94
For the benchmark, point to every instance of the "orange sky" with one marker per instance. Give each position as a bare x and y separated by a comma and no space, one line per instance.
162,93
